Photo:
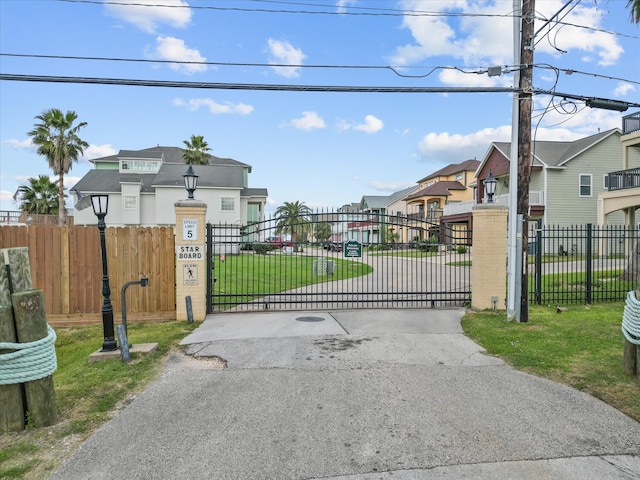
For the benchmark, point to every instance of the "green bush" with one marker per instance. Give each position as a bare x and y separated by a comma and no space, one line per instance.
461,249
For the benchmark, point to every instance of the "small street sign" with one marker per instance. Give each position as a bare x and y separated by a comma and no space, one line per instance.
352,249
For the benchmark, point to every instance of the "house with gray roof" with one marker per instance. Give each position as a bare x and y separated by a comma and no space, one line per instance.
143,186
382,215
566,179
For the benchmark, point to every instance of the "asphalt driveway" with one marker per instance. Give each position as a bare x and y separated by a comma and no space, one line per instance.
353,395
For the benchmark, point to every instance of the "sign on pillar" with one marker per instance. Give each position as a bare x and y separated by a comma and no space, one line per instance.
191,275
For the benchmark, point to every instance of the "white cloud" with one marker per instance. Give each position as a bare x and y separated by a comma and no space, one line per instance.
481,40
308,121
171,48
147,15
215,108
342,4
20,144
623,89
454,77
283,53
371,124
98,151
386,186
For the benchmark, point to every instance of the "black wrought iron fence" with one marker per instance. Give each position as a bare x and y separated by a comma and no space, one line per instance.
336,260
582,263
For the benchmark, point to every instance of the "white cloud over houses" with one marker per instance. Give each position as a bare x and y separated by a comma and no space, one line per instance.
148,15
484,35
283,53
386,186
308,121
174,49
98,151
214,107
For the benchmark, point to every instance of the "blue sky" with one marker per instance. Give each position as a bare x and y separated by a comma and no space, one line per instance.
325,149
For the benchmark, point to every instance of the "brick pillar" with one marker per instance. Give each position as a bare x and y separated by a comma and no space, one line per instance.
191,258
489,256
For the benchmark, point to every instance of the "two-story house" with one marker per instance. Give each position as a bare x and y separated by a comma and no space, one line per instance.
143,186
565,177
450,185
622,192
382,218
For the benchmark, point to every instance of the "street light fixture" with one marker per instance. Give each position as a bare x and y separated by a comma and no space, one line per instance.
490,186
190,182
100,205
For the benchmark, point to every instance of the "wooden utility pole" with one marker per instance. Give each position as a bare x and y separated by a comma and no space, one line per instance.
524,143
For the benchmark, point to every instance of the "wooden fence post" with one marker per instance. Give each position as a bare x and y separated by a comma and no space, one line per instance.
31,325
23,320
12,411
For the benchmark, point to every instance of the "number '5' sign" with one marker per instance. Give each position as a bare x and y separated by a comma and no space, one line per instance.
189,229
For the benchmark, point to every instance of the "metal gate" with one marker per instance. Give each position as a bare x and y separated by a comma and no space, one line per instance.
337,260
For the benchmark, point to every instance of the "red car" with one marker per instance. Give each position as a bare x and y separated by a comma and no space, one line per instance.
278,242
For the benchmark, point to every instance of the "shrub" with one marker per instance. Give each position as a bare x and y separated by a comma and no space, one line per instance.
461,249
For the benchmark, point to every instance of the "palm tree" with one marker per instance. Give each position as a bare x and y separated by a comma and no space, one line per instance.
57,140
40,196
634,10
196,153
293,218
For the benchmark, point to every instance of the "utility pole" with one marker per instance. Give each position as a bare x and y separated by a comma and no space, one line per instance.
514,257
524,143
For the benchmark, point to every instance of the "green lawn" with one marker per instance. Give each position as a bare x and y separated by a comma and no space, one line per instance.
581,347
246,277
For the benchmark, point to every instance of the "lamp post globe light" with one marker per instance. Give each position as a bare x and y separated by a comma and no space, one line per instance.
490,186
190,182
100,205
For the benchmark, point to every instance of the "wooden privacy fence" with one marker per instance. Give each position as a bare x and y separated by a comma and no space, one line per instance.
66,263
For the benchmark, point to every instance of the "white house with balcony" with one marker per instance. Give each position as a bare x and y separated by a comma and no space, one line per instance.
143,186
565,182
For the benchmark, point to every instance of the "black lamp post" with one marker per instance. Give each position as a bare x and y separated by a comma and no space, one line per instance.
100,205
490,186
190,182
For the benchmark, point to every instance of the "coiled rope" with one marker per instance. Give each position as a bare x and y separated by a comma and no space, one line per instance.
631,319
29,361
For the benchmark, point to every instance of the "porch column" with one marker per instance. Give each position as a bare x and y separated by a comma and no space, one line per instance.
489,256
191,259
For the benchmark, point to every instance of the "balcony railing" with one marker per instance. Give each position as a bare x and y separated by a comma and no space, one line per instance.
429,216
535,198
631,123
623,179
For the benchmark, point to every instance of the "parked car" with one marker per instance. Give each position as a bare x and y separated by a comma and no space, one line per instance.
278,242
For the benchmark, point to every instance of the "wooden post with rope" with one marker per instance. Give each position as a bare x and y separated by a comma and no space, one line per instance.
26,386
631,355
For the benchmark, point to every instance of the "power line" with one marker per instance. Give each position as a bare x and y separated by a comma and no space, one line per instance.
595,101
249,86
395,69
377,12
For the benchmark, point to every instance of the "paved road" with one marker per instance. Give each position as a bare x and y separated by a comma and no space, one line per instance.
358,395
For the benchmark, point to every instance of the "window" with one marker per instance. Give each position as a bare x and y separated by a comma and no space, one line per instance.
459,177
227,204
605,181
130,202
585,184
139,166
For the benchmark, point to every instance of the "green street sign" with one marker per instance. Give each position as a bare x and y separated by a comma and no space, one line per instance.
352,249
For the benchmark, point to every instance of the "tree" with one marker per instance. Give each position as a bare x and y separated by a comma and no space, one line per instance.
293,218
196,153
40,196
57,139
634,10
323,231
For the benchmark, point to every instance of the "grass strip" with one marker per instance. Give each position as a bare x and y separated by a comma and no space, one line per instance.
582,347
